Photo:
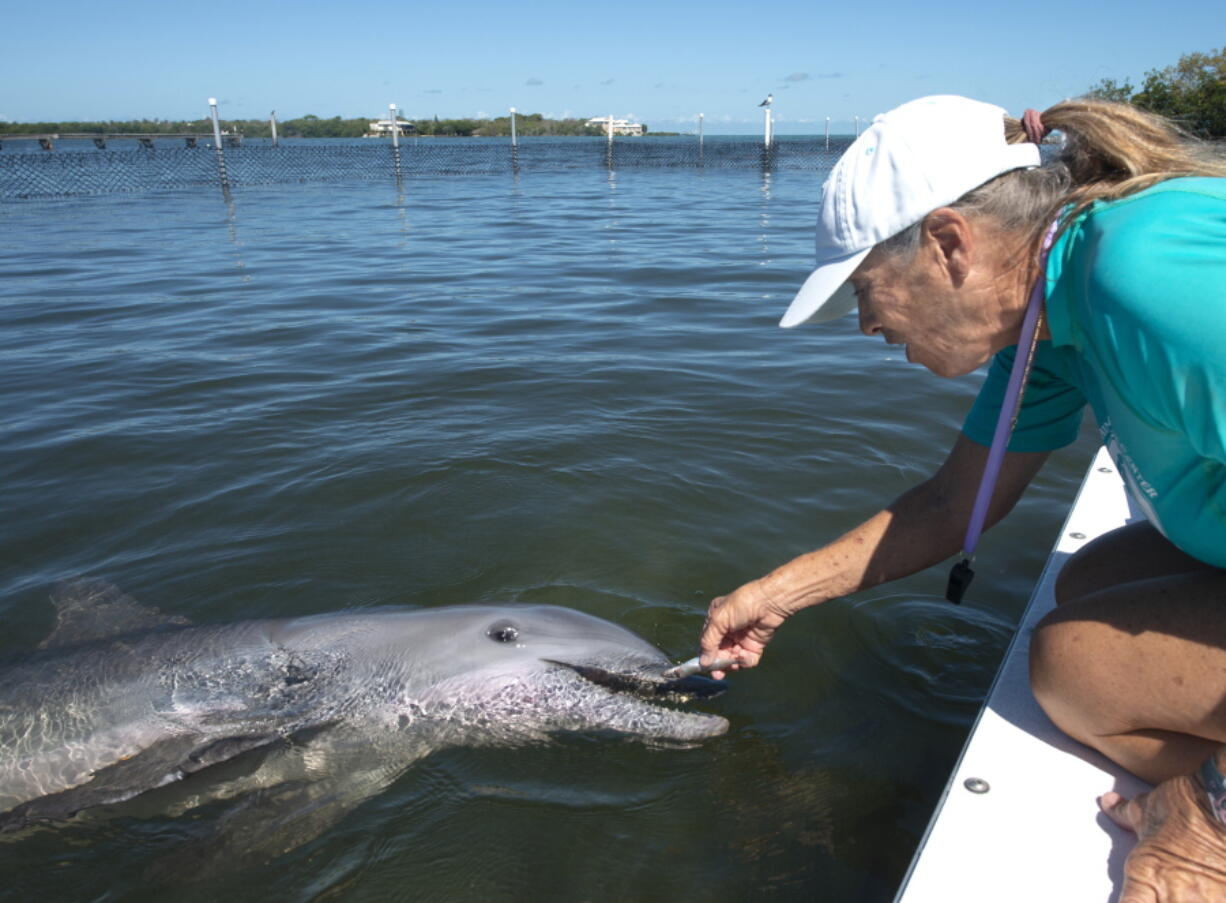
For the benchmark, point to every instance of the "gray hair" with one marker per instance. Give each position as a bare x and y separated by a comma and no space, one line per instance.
1021,201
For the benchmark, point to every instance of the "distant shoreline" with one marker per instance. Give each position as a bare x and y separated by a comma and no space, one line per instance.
310,126
32,135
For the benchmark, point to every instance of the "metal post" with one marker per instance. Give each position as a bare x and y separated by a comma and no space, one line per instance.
514,144
216,123
221,154
395,120
827,133
857,118
700,119
272,124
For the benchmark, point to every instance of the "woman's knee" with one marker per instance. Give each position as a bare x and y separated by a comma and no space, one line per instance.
1071,674
1052,663
1048,654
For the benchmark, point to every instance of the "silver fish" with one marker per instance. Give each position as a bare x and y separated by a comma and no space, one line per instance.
692,666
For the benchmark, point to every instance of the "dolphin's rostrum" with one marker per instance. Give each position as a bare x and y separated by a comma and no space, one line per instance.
326,709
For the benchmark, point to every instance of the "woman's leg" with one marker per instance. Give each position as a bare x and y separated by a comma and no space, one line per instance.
1135,552
1133,661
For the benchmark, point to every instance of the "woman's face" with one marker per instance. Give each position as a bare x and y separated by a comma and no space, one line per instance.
944,304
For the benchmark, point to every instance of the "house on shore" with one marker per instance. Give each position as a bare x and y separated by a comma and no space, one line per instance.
619,126
382,128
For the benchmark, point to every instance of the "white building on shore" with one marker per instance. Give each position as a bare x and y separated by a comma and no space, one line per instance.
381,128
620,126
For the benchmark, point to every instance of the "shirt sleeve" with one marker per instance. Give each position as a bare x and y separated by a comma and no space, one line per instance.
1050,416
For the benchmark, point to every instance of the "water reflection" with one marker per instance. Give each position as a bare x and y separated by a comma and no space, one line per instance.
764,218
402,214
232,236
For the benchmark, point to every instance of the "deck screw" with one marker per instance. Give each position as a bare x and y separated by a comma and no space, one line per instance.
1077,535
976,785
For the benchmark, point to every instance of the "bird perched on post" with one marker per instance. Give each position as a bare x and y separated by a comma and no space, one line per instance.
767,102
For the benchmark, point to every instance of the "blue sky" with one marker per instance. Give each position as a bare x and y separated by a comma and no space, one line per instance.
658,62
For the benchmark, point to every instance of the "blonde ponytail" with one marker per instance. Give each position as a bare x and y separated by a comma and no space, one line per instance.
1113,149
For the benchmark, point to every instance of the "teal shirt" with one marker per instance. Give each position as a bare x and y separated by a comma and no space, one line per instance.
1136,306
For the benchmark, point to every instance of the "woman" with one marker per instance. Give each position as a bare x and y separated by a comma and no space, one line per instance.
946,227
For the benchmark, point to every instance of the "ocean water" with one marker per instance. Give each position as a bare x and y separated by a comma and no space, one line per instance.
566,387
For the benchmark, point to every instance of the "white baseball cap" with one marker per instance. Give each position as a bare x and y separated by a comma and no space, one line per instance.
910,161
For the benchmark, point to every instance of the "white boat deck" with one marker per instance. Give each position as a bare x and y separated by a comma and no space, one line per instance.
1036,832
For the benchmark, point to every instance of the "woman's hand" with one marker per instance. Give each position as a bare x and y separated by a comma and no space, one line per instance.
1180,856
740,624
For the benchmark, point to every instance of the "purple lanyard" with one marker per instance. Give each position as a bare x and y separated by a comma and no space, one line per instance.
960,575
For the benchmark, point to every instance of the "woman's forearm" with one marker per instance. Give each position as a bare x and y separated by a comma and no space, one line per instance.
922,527
910,535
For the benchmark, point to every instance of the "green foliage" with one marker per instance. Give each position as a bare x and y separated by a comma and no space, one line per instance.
1110,89
311,126
109,127
251,127
1192,92
526,125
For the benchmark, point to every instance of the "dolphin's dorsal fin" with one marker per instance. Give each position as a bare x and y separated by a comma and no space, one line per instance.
88,609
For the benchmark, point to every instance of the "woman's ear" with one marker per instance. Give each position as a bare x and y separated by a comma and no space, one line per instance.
947,234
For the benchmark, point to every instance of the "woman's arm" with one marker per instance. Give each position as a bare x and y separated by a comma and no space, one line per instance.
923,526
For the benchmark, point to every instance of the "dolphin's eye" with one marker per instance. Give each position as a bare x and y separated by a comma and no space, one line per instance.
503,632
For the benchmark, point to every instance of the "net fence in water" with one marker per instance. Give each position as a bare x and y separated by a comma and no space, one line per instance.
68,171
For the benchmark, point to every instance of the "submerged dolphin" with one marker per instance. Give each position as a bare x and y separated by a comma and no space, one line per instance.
313,714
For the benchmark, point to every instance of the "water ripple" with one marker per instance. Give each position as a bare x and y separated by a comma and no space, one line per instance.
567,388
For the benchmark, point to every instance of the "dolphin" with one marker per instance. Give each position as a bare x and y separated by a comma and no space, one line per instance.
295,721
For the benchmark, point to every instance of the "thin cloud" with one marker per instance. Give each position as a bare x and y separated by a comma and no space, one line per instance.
830,75
797,77
430,91
608,81
534,83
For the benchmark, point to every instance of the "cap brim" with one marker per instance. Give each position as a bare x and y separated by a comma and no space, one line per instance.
825,294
